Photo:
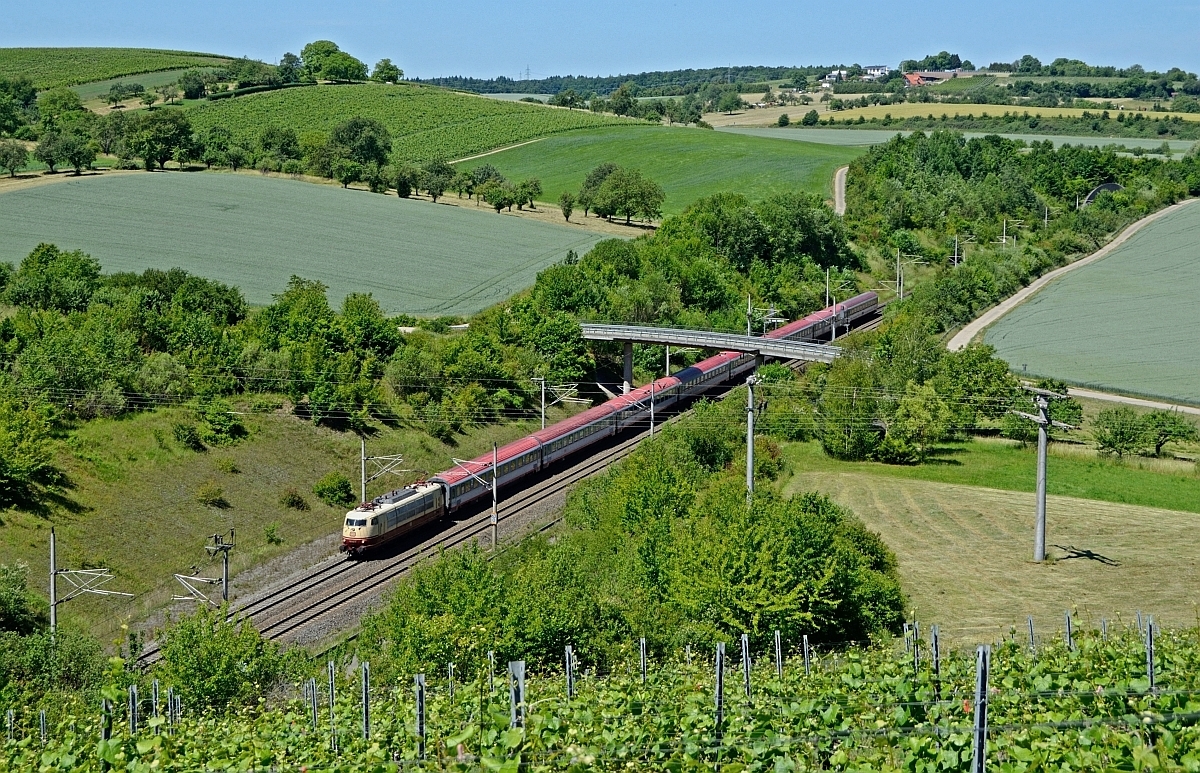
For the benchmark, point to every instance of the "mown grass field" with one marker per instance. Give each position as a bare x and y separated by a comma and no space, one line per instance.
956,85
923,109
688,163
963,535
425,122
131,501
1123,323
50,67
96,90
255,232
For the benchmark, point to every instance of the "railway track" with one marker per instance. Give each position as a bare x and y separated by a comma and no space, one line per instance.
318,596
283,611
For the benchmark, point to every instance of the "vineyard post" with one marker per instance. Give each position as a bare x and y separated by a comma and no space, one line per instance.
491,672
642,655
1150,654
746,664
105,725
778,655
178,708
133,710
42,725
937,660
907,637
1032,641
10,717
332,715
1104,629
516,693
916,647
1069,633
806,668
719,695
312,694
154,701
450,678
979,749
568,657
419,687
1141,626
171,709
366,700
687,653
750,382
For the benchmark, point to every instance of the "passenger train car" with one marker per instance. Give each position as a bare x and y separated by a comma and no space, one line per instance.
389,516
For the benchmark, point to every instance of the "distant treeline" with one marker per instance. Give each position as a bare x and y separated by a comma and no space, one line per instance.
658,83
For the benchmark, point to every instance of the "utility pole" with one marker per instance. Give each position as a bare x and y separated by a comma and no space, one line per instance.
542,382
381,465
749,314
495,520
362,467
651,409
221,546
1041,399
81,581
750,382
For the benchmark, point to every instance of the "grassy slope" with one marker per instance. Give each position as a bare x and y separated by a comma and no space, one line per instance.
922,109
94,90
688,163
963,534
131,503
426,122
1108,321
49,67
255,232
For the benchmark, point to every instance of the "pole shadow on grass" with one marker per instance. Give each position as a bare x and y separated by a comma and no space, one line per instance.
1074,552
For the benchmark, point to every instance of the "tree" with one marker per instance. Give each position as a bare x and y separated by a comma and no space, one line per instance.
783,120
921,419
55,103
51,279
527,191
340,66
77,151
48,150
237,157
216,660
13,156
497,194
729,102
157,135
811,118
566,203
1162,427
347,171
591,184
110,129
26,454
18,612
290,68
363,140
149,98
1120,431
280,141
386,72
314,55
192,84
404,178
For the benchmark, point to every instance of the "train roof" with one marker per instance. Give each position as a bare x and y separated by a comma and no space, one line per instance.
792,328
483,463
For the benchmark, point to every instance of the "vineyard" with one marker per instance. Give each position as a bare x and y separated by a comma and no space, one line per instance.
425,122
1117,697
50,67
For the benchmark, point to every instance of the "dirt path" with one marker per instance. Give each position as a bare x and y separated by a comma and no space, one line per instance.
1092,394
992,315
497,150
839,190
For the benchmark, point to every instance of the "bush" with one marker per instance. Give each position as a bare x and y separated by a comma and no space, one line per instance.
18,608
25,453
218,424
291,498
218,663
783,120
227,465
210,494
187,435
272,530
335,490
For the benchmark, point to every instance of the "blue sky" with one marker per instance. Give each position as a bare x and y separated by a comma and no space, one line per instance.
471,37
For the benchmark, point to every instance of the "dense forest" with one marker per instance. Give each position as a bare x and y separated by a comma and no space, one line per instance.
658,83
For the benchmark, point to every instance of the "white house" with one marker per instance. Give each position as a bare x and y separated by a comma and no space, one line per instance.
875,71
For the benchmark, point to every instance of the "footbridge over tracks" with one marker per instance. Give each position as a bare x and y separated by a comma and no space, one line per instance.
706,339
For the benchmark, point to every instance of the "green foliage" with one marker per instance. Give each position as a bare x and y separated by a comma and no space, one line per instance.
783,120
210,494
187,435
293,499
431,122
218,663
219,425
1164,426
1120,431
271,530
26,458
335,490
19,611
663,546
386,72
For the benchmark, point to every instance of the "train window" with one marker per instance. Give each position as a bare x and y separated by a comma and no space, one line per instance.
374,521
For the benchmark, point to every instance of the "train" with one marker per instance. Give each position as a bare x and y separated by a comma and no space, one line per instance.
403,510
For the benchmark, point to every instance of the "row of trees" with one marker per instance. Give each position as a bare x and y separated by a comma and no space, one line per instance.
610,191
1122,430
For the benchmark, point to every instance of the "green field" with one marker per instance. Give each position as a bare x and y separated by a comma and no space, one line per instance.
151,80
1124,323
852,137
425,122
49,67
255,232
962,529
688,163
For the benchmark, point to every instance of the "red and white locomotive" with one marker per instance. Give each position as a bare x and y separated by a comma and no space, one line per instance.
389,516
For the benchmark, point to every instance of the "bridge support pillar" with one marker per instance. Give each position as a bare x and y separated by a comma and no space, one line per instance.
627,383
